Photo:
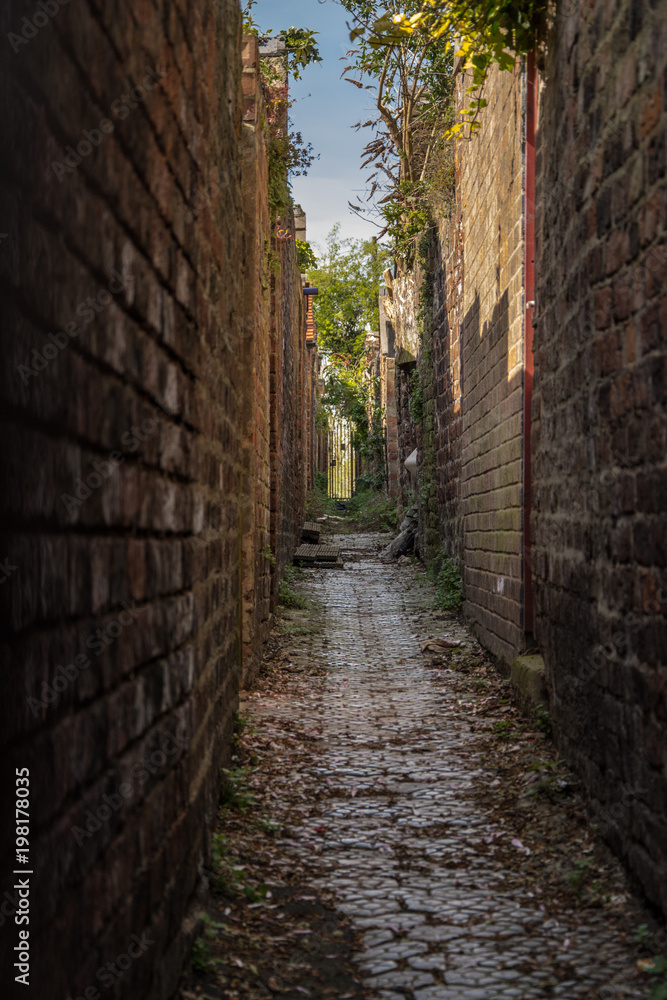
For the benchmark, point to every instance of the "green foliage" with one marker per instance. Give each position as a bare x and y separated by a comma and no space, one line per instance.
658,991
305,255
507,729
372,510
233,791
416,397
658,973
483,32
240,726
543,718
642,935
449,588
656,968
201,950
348,279
200,956
255,895
287,596
346,308
580,873
288,155
269,556
406,214
318,503
412,75
301,47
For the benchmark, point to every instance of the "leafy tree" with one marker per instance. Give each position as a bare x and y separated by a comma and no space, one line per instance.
288,154
483,32
412,80
348,278
411,75
300,42
346,308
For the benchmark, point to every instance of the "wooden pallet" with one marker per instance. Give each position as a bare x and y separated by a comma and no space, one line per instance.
317,554
311,532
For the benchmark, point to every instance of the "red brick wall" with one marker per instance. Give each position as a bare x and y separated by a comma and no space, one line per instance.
280,407
288,408
600,482
126,467
490,195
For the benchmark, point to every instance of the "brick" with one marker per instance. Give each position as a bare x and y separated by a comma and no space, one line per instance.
608,448
139,578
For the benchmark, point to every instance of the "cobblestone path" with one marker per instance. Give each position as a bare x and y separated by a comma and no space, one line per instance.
401,839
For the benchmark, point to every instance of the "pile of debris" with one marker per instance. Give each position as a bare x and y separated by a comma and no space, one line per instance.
312,553
406,541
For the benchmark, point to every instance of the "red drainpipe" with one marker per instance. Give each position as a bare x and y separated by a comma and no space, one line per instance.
529,289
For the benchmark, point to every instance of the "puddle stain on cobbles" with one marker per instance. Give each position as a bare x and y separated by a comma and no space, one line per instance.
375,763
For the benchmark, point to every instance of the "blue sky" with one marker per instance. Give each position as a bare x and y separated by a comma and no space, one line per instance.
325,108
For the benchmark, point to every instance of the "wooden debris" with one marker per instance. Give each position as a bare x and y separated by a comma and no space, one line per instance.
311,532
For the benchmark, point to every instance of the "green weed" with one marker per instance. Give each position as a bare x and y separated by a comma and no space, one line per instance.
288,597
200,955
580,873
233,791
544,722
507,730
201,950
444,573
642,935
372,510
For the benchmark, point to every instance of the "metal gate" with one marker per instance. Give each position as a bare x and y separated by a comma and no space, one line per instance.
342,458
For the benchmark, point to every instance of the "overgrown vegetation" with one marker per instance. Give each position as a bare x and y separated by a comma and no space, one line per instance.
483,32
318,502
411,163
201,950
346,309
288,155
288,597
372,510
444,573
416,398
655,967
305,255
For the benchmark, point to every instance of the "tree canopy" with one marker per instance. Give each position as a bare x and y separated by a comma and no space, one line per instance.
346,308
348,278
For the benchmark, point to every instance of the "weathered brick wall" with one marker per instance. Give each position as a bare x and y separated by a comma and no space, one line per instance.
428,515
388,403
470,362
490,198
447,387
288,406
132,324
388,392
406,436
257,565
279,366
401,306
600,483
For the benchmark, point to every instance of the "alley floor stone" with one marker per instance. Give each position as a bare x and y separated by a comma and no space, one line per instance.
393,827
400,839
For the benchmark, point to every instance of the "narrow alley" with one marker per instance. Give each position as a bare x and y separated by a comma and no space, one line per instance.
378,769
333,506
